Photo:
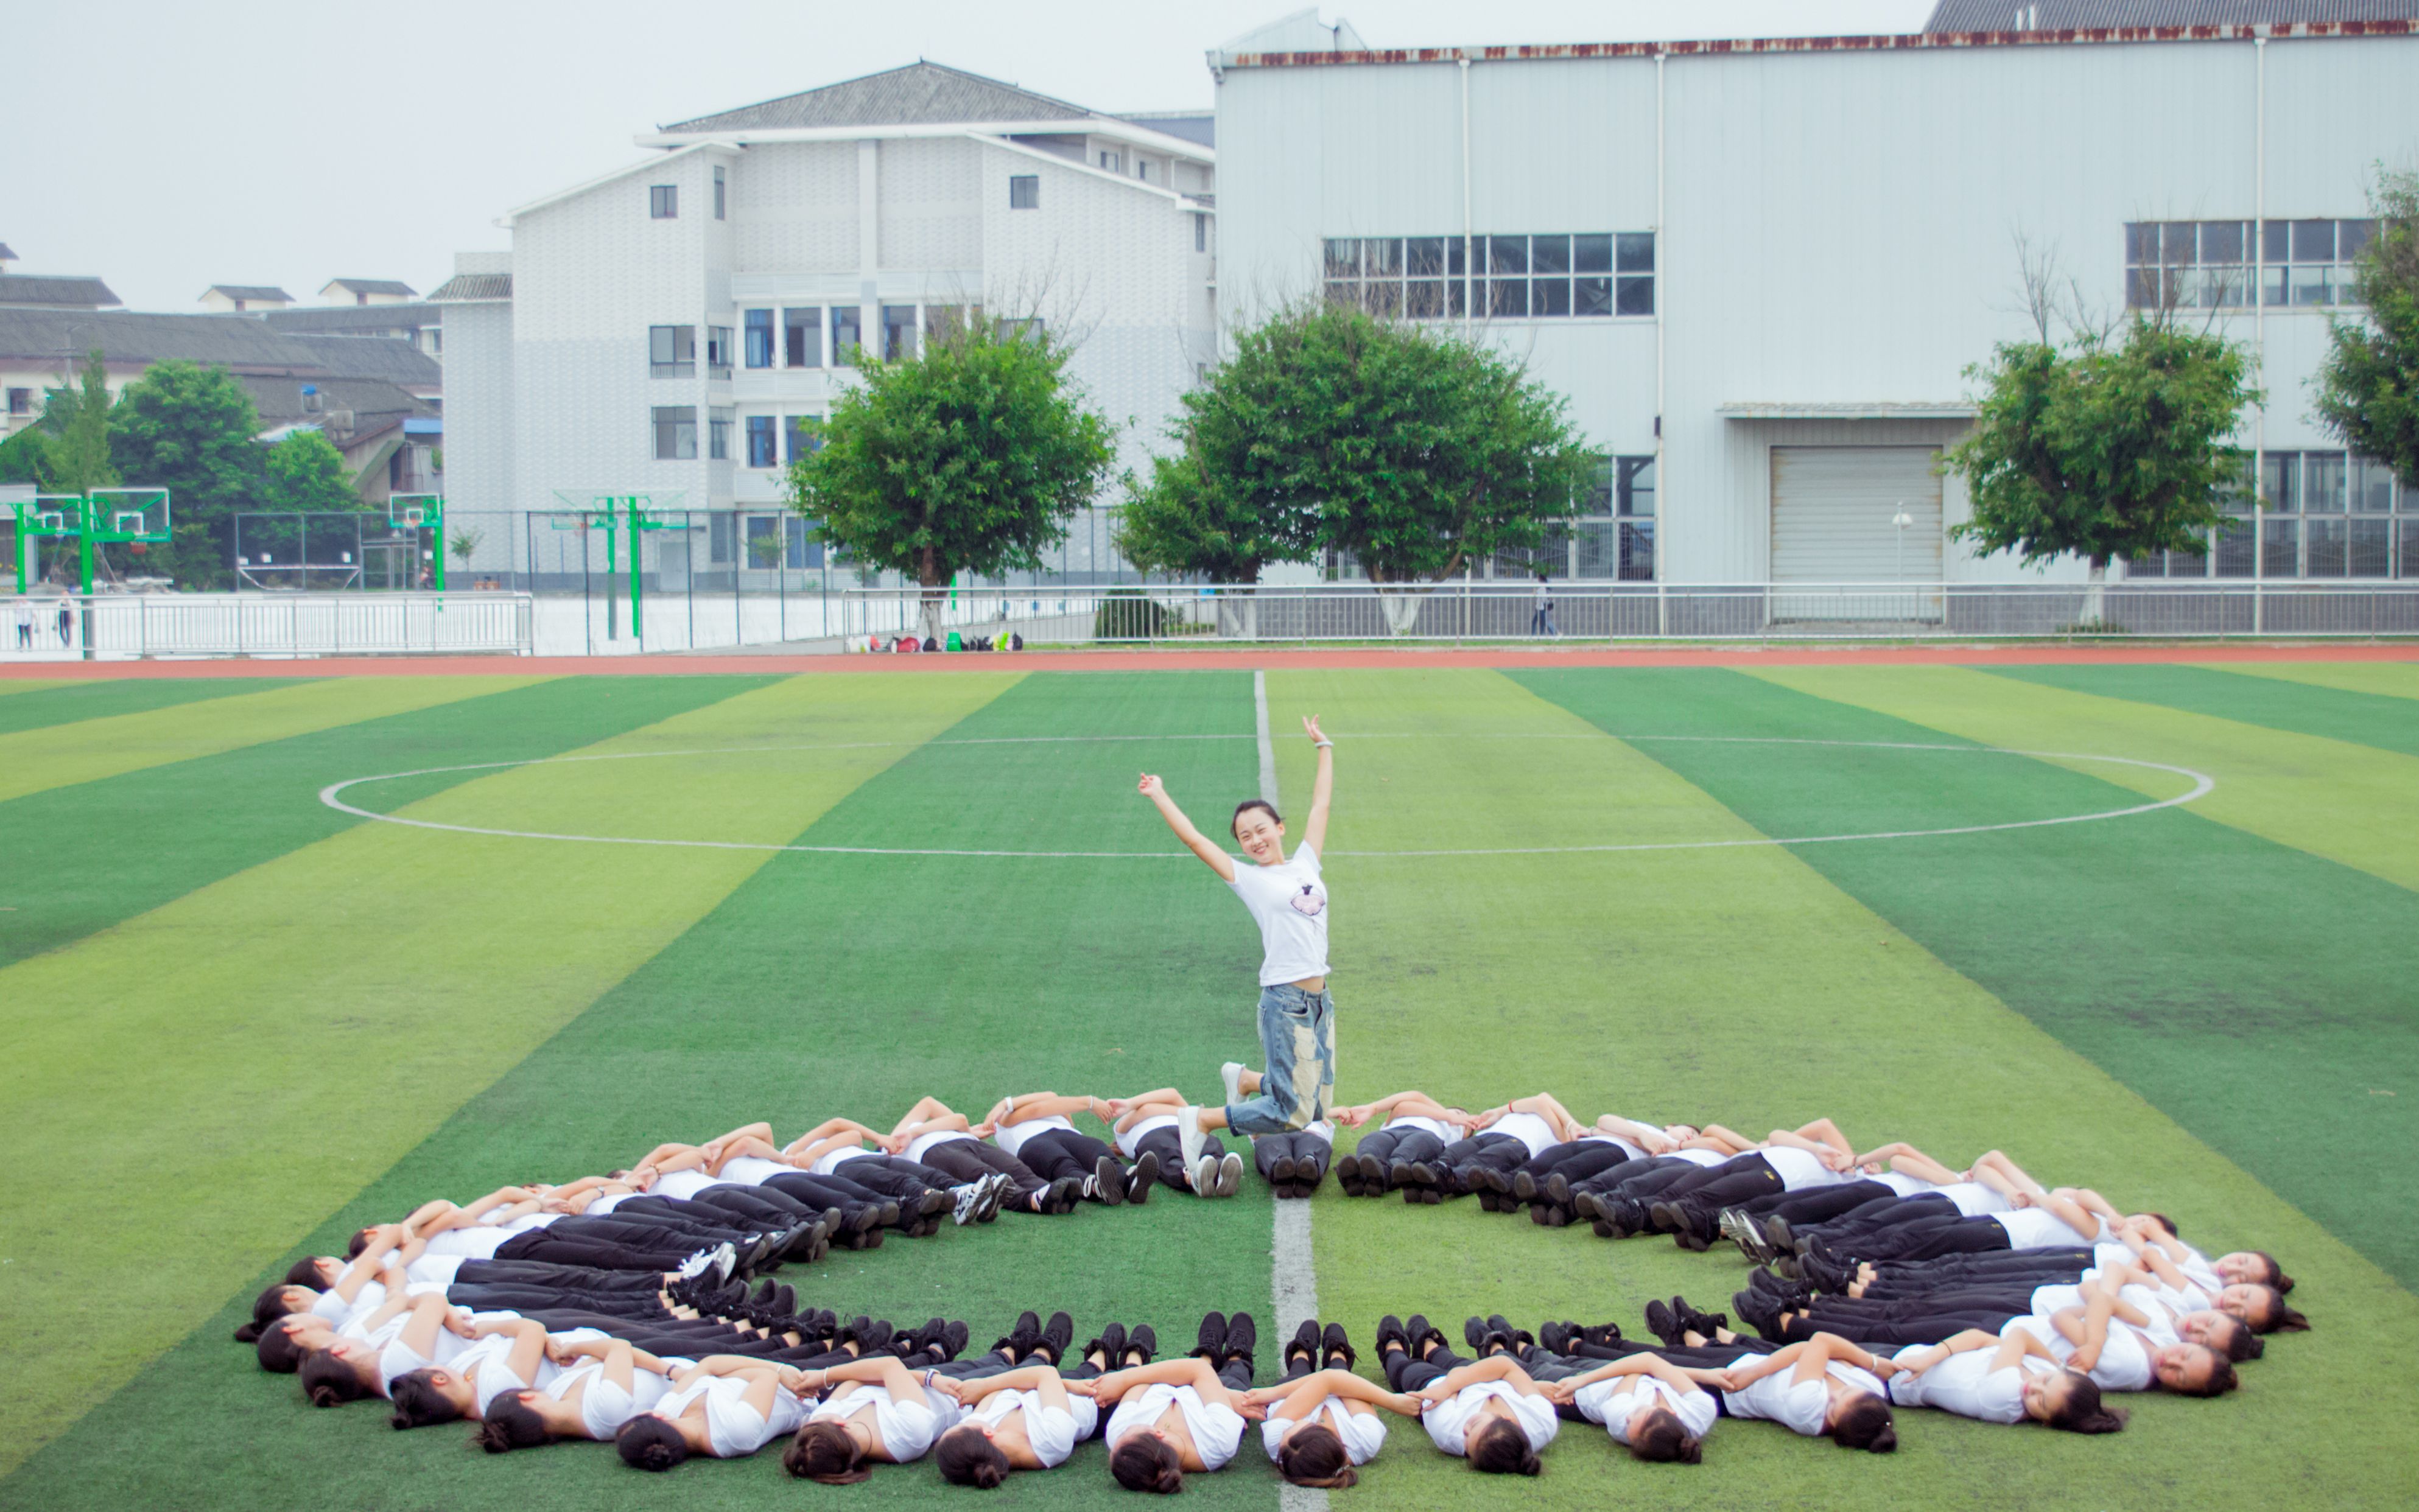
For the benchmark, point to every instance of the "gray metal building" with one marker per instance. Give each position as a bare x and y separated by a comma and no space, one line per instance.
1759,269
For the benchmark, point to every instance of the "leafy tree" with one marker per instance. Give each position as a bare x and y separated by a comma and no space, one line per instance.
190,429
25,458
2368,388
464,544
2109,446
306,473
78,418
1409,447
970,456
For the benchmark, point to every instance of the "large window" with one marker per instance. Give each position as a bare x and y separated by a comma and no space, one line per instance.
720,202
760,442
806,433
718,351
1529,277
672,351
845,339
1024,191
898,332
1613,537
675,433
663,202
2211,265
758,326
21,401
802,337
2327,514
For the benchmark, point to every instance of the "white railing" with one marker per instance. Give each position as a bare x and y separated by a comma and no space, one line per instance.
1506,611
129,626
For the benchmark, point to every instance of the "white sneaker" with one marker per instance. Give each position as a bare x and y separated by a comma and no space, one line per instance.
1230,1175
726,1259
1231,1073
695,1266
995,1188
1189,1137
963,1200
1204,1177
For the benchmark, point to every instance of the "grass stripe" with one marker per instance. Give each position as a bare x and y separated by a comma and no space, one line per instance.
330,1008
89,750
842,983
2386,723
72,701
1740,985
118,846
15,685
2349,803
2390,680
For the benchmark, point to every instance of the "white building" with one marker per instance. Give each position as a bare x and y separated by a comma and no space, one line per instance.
1759,269
676,325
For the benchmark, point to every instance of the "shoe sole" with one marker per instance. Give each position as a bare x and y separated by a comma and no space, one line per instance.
1109,1180
1146,1176
1230,1175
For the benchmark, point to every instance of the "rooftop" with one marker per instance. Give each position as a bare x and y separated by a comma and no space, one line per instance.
241,343
372,286
402,315
250,291
55,291
466,287
919,93
2073,15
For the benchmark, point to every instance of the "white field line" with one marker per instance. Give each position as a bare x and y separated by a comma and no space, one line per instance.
2203,784
1293,1279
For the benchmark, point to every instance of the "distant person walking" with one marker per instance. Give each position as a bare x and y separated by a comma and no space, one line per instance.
67,619
1541,622
25,624
1289,900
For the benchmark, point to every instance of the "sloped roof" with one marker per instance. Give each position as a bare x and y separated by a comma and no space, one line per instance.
463,287
1198,125
2075,15
409,314
63,290
919,93
5,256
371,285
386,359
374,404
250,291
238,342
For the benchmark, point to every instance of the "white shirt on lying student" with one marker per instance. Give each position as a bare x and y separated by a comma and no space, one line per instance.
1217,1428
604,1405
922,1142
1966,1384
1011,1137
1798,1406
1531,1129
732,1428
1799,1168
1364,1433
1617,1401
1130,1139
2040,1229
2124,1363
1449,1421
1052,1431
482,1365
398,1358
1428,1126
907,1428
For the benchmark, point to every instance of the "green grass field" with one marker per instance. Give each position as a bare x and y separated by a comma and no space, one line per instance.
238,1023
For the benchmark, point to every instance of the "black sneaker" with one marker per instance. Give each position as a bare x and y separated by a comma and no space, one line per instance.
1554,1339
1558,1189
1109,1181
1282,1169
1524,1186
1023,1336
1304,1345
1144,1176
1064,1194
1419,1330
1110,1347
1373,1171
1474,1333
1697,1320
1759,1312
1390,1330
875,1336
1144,1340
1663,1324
1057,1335
1243,1338
1211,1337
1335,1349
953,1339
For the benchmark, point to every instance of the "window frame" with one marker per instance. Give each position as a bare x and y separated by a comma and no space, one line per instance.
755,323
1609,275
763,429
663,202
719,421
718,351
672,351
852,316
812,326
722,196
1024,191
675,427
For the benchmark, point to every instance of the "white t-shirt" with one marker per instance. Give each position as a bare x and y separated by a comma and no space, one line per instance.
399,1359
751,1171
922,1142
1799,1168
604,1405
1900,1184
2124,1364
1130,1139
1703,1157
479,1242
1798,1407
1449,1420
1290,904
1966,1384
431,1269
1364,1433
1052,1431
732,1428
907,1428
1531,1129
1011,1137
483,1365
1217,1428
2040,1229
1616,1403
1635,1151
1972,1198
683,1184
1427,1125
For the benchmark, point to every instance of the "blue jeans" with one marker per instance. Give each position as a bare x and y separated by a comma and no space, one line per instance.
1298,1079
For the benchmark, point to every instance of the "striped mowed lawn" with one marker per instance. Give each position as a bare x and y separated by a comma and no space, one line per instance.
329,1031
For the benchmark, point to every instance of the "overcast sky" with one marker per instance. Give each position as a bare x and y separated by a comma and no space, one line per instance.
167,145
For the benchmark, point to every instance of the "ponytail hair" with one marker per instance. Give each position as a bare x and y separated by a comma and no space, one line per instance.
1314,1454
1659,1436
328,1382
305,1272
647,1441
418,1402
1146,1463
1865,1423
277,1351
825,1454
2276,1276
2082,1411
510,1423
966,1456
1500,1447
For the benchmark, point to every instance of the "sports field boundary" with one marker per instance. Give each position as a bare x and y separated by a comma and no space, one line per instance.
1173,658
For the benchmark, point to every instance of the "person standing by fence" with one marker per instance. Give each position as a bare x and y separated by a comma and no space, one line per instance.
1541,622
67,619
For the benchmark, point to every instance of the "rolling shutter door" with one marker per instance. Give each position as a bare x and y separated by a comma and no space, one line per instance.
1831,513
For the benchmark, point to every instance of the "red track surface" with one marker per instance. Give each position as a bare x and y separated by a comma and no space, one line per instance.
1192,661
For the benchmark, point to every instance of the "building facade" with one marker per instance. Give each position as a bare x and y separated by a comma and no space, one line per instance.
681,325
1758,271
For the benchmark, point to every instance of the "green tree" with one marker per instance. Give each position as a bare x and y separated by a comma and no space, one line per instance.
305,472
2113,445
190,429
78,419
25,458
1412,449
2366,390
970,456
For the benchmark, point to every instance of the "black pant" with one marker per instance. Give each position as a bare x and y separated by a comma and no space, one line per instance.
1886,1213
1922,1238
894,1176
1897,1280
1400,1146
1487,1150
602,1245
763,1206
1404,1374
1742,1179
1640,1181
690,1216
822,1192
1578,1161
569,1278
1055,1154
965,1161
1817,1204
1169,1148
523,1299
1311,1156
1899,1329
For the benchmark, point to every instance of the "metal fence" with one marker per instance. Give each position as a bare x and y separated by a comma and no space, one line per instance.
124,626
1500,611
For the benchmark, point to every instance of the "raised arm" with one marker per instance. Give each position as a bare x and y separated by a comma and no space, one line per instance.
1900,1156
1200,845
1314,830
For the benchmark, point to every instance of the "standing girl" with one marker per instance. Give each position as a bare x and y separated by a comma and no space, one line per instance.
1289,900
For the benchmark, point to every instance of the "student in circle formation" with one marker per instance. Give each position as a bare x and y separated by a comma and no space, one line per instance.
620,1308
